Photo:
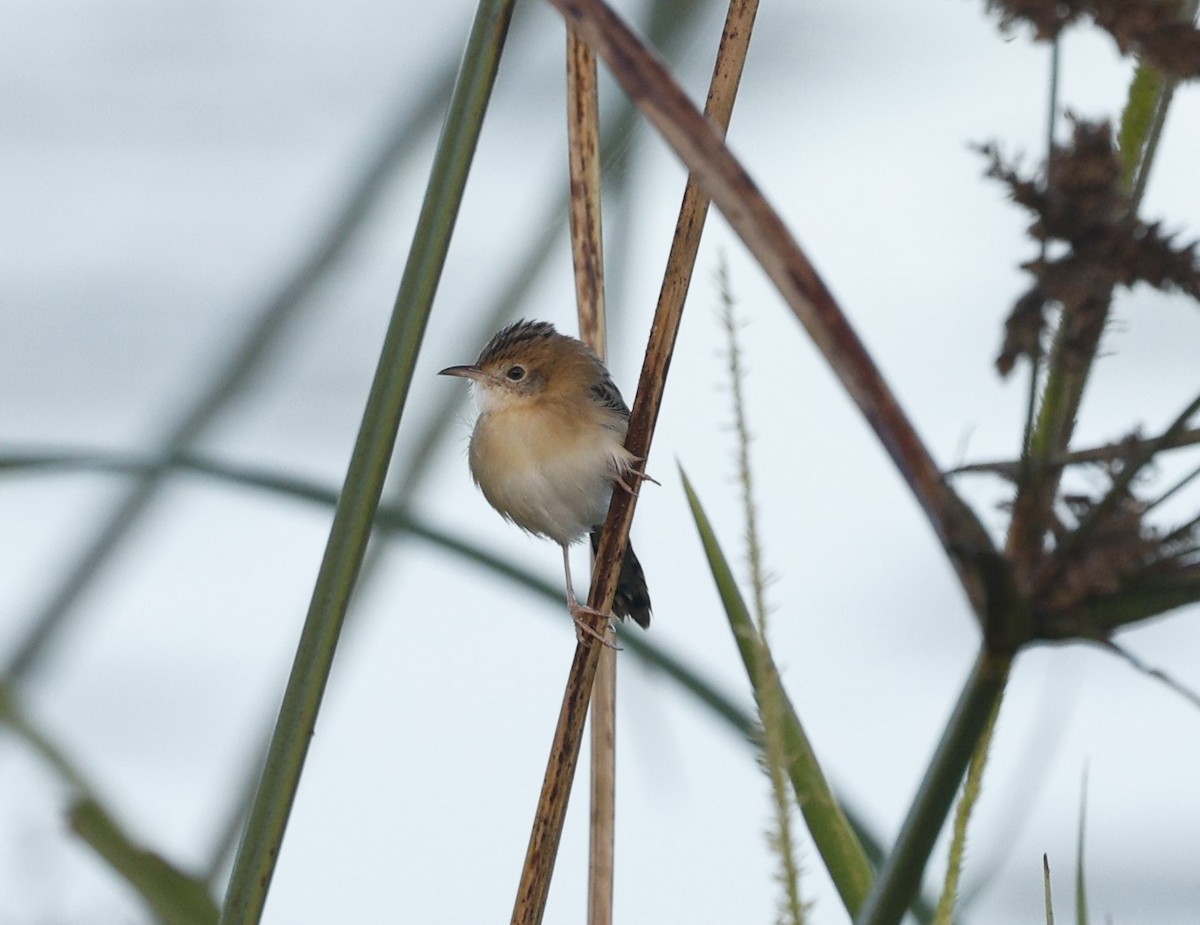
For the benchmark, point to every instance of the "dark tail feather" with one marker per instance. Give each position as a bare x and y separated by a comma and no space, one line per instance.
633,598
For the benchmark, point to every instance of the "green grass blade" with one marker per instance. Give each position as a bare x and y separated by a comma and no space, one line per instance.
1081,905
1046,890
173,896
839,847
254,864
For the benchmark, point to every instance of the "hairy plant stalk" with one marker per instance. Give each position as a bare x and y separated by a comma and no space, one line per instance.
771,709
962,816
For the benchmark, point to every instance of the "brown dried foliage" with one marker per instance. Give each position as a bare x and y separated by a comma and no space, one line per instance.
1118,546
1150,29
1081,204
1102,550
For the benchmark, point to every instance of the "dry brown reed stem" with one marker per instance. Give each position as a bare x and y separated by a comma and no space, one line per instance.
718,109
701,147
583,151
587,250
583,124
602,819
564,755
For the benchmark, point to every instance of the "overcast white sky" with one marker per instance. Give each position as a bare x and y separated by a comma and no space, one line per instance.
165,164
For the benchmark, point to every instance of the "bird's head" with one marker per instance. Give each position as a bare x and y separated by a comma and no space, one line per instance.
524,363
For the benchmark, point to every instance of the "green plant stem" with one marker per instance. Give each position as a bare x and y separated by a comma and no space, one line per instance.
1144,117
1142,121
900,879
254,864
1141,125
1035,355
174,897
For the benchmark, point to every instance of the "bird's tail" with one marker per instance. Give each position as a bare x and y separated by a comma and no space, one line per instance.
633,597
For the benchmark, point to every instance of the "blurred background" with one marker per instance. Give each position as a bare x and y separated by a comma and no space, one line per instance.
204,213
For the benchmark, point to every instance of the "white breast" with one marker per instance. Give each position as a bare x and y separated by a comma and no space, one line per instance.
553,481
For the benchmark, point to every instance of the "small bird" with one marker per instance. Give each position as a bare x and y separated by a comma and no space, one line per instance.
549,446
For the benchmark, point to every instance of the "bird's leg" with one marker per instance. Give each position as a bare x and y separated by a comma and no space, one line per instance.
579,612
639,475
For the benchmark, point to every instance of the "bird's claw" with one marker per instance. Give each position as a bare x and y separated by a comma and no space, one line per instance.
639,475
584,629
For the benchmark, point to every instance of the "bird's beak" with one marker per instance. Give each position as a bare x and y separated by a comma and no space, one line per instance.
466,372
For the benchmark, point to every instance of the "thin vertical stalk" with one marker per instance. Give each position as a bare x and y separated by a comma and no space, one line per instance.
551,813
1035,355
259,849
587,251
583,157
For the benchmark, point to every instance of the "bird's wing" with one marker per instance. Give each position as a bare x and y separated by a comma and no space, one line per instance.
606,394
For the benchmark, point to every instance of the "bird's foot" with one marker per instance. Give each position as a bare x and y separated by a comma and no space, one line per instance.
638,475
581,613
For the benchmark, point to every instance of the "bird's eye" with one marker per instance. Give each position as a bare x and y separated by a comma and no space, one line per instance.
516,373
